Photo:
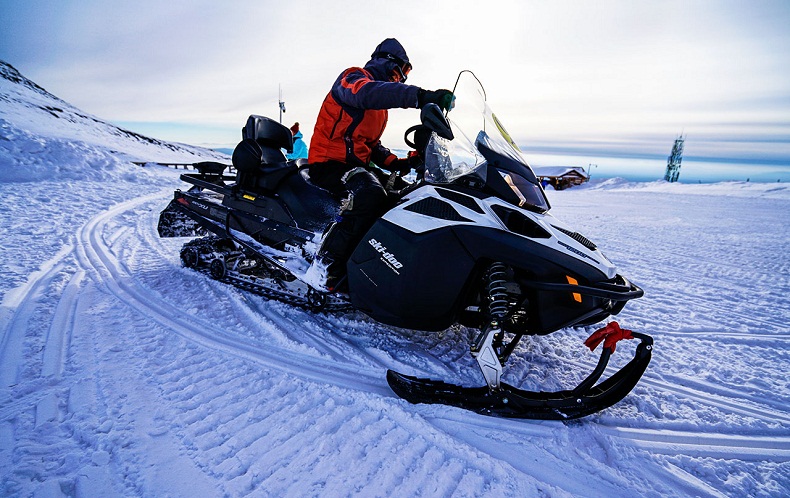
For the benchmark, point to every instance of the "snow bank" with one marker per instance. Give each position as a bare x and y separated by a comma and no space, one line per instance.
731,189
25,157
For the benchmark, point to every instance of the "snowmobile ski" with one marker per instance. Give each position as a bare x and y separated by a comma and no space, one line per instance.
510,402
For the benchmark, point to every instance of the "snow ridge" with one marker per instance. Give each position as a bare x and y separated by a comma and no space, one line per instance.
29,107
728,189
10,73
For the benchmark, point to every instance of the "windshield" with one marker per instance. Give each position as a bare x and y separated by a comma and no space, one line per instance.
482,154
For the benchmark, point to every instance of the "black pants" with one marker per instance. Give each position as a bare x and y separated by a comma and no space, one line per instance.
365,200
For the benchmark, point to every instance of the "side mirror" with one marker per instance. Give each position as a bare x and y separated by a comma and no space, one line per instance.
432,117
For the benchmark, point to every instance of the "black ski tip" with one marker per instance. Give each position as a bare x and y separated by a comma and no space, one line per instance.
511,402
428,391
507,402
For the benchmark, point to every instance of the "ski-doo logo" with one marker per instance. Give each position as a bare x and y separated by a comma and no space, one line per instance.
387,257
200,205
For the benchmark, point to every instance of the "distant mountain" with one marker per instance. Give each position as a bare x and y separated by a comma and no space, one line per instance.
224,151
29,109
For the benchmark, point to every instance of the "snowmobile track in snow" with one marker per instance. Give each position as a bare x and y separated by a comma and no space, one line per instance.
107,251
99,245
96,254
98,258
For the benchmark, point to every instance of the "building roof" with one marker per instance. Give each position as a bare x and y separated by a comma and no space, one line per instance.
558,171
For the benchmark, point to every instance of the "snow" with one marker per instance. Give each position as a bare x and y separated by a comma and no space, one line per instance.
727,189
124,374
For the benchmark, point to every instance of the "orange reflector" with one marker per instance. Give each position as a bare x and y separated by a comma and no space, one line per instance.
576,296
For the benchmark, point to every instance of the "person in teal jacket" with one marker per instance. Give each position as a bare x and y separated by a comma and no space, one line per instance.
300,148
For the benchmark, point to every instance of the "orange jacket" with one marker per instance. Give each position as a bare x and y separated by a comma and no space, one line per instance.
354,114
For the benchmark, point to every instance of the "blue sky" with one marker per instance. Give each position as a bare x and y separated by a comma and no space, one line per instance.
598,79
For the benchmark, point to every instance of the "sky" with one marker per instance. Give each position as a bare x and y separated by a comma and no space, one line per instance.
575,81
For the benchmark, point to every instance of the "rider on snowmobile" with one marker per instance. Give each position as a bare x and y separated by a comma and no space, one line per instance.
346,141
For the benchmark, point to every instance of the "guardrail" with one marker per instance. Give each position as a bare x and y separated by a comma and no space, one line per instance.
194,166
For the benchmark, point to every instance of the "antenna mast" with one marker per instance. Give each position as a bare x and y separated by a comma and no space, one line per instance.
282,104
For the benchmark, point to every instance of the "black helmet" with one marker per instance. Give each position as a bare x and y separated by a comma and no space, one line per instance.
392,50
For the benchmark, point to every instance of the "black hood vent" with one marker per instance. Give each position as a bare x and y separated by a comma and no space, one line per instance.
581,239
435,208
461,199
516,222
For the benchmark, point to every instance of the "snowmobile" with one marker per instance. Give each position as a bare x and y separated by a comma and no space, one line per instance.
470,242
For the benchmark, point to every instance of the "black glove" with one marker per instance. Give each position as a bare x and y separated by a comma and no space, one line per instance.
404,165
442,98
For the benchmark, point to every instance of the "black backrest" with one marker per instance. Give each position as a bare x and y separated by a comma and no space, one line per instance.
249,156
268,133
258,158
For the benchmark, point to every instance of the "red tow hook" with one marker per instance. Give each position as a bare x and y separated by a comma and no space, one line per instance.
610,335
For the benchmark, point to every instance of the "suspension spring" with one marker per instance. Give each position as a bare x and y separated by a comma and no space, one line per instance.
496,278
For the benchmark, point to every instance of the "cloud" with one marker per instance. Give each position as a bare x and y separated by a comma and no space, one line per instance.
556,71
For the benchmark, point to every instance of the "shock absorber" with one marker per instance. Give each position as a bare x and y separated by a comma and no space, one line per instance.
496,278
485,347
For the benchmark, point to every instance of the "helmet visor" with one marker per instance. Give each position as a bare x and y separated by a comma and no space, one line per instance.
403,69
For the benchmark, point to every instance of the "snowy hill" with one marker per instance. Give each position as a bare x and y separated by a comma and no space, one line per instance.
34,124
124,374
727,189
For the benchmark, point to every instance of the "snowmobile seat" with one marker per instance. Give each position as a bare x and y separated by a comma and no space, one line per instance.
312,207
305,172
260,168
258,158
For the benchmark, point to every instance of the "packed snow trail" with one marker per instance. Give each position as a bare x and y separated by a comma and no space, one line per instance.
137,376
